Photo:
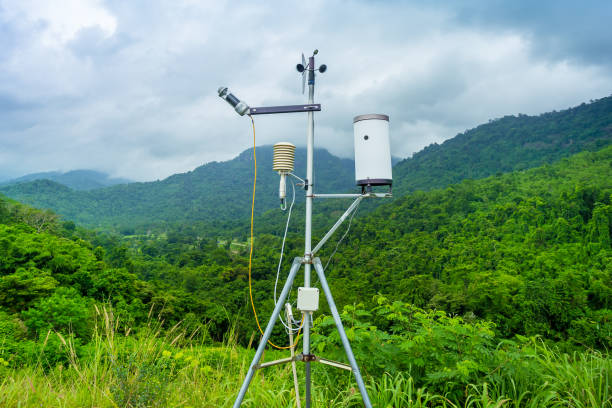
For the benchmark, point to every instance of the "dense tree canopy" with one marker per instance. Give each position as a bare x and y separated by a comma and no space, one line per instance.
522,253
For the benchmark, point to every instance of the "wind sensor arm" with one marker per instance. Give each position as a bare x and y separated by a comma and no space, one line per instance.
264,110
241,107
307,71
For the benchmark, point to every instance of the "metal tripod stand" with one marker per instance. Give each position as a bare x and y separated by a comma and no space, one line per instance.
307,358
308,260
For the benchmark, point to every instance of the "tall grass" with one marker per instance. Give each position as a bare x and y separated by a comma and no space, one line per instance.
175,368
548,378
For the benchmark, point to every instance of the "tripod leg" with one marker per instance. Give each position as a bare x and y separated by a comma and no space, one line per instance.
262,345
345,342
306,350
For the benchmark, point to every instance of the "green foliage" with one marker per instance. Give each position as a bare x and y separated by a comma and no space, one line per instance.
397,391
523,250
143,373
20,289
65,311
11,327
486,293
439,351
154,368
529,251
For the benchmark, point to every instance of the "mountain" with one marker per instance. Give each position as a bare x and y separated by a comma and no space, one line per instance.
528,250
217,192
75,179
507,144
500,146
505,280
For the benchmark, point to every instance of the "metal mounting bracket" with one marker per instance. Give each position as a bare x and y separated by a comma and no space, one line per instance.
304,358
266,110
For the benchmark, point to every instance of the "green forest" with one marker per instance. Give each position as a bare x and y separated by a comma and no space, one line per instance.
488,287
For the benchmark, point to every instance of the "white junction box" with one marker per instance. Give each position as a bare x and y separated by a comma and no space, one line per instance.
308,299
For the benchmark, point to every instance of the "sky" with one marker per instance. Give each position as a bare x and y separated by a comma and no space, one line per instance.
130,87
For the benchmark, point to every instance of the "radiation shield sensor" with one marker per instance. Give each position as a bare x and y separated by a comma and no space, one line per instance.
283,162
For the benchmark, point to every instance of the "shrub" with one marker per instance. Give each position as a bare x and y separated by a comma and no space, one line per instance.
64,311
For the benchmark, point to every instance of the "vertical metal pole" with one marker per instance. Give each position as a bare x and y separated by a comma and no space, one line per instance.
262,345
308,236
296,385
340,327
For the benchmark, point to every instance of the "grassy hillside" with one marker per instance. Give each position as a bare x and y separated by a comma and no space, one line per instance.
175,368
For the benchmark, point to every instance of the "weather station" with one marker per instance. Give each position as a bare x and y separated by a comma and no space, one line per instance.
372,168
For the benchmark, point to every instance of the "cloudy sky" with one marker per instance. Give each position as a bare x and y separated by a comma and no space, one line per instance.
129,87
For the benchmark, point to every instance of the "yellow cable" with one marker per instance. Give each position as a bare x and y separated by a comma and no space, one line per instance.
251,254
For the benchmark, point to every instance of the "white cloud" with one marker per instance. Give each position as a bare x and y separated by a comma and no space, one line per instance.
130,87
59,21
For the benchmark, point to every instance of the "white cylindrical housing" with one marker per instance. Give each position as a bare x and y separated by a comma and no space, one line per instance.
372,150
284,157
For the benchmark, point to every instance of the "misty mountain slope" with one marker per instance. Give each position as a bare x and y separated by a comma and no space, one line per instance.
217,192
500,146
75,179
507,144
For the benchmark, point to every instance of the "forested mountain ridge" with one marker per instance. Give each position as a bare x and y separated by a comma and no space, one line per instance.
74,179
525,253
513,142
217,191
507,144
529,250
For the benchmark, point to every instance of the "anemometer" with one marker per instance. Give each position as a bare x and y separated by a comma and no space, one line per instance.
372,168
